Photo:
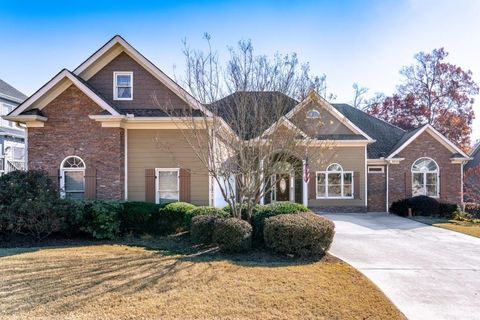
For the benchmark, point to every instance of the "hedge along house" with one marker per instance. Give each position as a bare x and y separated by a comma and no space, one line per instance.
99,133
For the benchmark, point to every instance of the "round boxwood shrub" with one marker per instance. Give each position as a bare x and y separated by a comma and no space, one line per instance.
201,228
206,211
263,212
232,234
173,217
424,206
303,234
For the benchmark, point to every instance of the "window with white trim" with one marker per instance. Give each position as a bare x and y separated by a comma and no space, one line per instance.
335,183
123,85
72,178
167,185
313,114
425,178
4,110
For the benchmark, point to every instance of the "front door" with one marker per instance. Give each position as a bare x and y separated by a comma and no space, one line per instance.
283,187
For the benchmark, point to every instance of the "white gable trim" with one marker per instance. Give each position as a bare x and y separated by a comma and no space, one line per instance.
289,124
316,98
435,134
46,90
144,62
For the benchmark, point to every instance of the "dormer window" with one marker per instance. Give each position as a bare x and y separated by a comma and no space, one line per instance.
123,85
313,114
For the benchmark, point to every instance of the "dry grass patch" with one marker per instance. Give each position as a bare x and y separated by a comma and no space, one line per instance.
465,227
126,282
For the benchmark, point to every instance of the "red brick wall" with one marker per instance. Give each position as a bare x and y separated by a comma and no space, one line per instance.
425,146
377,191
68,131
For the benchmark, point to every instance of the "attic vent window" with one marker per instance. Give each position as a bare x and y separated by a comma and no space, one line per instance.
313,114
123,85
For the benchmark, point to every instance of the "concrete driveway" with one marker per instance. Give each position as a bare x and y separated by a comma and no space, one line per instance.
428,272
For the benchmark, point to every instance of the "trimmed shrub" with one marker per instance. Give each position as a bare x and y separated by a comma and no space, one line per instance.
206,211
473,209
232,234
303,234
447,210
201,228
102,218
137,216
421,206
424,206
173,217
263,212
28,204
400,207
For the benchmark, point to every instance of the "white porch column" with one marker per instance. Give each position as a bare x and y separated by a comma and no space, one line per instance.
262,183
305,184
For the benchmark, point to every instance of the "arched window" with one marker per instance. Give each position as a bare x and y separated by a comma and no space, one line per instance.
335,183
425,177
313,114
72,178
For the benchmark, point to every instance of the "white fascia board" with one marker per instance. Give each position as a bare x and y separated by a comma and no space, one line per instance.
441,138
314,97
47,87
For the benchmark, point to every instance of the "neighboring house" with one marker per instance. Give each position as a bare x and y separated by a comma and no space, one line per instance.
99,132
472,176
12,146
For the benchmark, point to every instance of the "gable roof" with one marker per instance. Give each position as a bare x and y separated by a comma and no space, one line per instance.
412,135
118,45
49,89
10,93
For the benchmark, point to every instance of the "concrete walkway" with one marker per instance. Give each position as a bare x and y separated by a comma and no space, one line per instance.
428,272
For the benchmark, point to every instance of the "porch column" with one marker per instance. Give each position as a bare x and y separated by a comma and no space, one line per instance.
262,183
304,184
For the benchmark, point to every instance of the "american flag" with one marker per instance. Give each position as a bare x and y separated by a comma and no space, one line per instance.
306,173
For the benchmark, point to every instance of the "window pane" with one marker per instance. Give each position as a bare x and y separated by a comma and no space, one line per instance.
75,195
18,153
168,196
347,190
124,93
418,184
347,178
74,181
431,178
124,81
431,190
334,185
168,181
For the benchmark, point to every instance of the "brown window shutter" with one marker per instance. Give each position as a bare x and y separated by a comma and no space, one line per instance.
90,183
54,175
356,185
150,185
312,185
185,185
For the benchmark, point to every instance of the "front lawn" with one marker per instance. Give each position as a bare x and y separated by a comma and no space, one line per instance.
470,228
167,279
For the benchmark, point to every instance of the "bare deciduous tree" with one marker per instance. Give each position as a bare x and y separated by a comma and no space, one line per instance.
240,132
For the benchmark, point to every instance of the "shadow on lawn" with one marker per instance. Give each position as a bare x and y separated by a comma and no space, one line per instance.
72,277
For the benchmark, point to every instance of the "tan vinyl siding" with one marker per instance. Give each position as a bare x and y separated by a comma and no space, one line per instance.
351,159
148,149
326,124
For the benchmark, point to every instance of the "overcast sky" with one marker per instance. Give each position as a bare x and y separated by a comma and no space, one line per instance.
350,41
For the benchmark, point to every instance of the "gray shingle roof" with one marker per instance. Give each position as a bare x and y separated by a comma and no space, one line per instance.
264,109
340,137
475,162
385,134
8,90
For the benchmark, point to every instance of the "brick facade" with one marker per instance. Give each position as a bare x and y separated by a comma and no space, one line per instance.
400,185
69,131
377,191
